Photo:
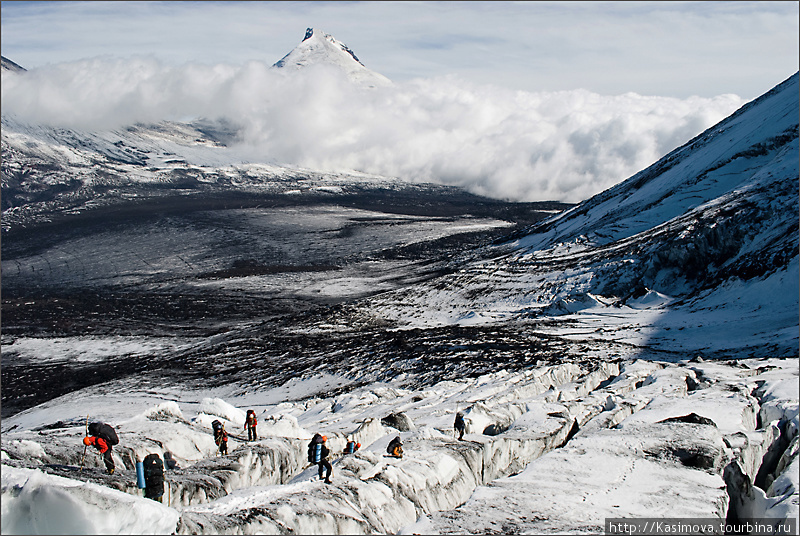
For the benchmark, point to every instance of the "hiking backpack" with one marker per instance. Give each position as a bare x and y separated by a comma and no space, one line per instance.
153,471
460,424
315,449
104,431
169,461
216,425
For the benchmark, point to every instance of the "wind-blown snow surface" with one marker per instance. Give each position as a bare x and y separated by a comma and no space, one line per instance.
584,441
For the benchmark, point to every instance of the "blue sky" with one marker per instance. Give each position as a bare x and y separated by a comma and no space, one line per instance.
674,49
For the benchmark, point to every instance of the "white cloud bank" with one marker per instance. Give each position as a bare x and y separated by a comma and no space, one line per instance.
565,145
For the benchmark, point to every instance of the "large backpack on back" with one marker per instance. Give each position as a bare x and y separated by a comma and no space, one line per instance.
251,418
460,424
315,449
317,453
153,471
393,444
105,431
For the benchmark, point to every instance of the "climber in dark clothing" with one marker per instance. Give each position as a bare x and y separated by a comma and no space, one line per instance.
460,425
169,461
318,453
153,477
395,448
351,447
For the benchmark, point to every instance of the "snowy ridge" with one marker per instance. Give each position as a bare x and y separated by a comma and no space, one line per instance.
48,171
8,65
725,158
319,48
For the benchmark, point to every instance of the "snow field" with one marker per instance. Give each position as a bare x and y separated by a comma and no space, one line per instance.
34,502
635,469
708,233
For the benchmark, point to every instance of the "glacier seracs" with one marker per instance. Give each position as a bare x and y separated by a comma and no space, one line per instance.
579,443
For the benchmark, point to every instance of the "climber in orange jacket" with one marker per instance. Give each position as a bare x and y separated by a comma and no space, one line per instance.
104,448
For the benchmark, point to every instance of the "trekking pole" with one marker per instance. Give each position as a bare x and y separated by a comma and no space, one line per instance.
85,445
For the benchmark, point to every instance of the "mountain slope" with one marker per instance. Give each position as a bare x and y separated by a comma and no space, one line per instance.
8,65
717,161
319,48
705,241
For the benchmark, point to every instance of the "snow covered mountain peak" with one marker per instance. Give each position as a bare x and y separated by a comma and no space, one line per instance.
319,48
318,38
8,65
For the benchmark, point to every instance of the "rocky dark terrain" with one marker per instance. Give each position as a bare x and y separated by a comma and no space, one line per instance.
159,267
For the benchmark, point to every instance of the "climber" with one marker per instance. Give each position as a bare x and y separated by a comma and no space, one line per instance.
153,477
250,423
103,437
460,425
169,461
351,447
395,448
220,437
318,453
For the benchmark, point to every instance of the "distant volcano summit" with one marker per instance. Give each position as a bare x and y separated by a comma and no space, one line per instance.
319,48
